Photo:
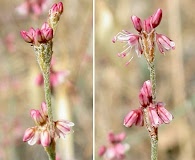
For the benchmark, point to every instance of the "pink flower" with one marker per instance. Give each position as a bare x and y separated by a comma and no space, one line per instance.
29,133
159,115
155,120
32,136
131,40
62,128
165,116
134,117
164,43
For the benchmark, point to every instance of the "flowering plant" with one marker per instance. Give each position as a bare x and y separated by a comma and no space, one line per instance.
46,130
150,113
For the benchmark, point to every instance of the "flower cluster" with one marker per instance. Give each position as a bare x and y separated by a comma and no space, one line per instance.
116,150
37,36
40,134
146,34
156,111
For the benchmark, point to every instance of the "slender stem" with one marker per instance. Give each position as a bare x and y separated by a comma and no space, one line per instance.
154,130
47,90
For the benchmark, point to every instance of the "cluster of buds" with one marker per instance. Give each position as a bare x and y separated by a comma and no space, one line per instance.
156,111
144,41
38,36
40,134
116,149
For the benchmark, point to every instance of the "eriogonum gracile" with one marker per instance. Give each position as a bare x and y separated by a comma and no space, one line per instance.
145,40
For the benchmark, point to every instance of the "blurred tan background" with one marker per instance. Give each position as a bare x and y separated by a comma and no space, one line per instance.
117,85
19,93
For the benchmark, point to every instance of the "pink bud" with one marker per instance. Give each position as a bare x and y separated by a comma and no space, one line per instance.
39,37
57,8
60,7
164,43
101,150
137,23
147,25
147,88
28,134
26,36
134,117
145,95
53,8
48,33
45,138
36,115
143,99
165,116
156,18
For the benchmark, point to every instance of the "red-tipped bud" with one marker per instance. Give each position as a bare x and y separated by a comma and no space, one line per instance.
45,138
134,117
165,116
156,18
26,36
137,23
